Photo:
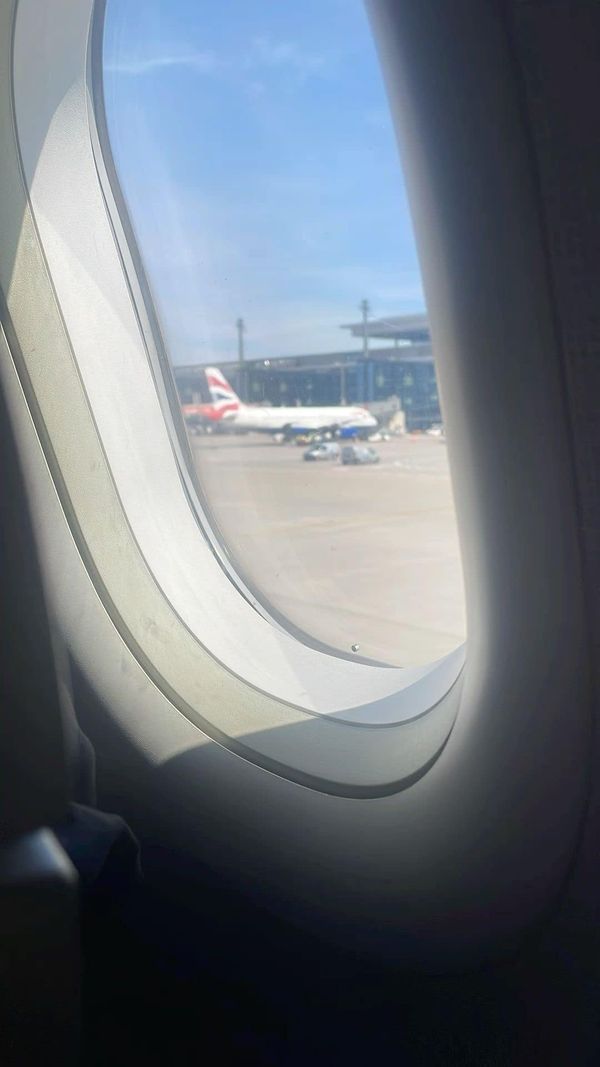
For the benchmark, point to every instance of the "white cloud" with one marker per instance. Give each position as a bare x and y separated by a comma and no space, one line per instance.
285,55
201,62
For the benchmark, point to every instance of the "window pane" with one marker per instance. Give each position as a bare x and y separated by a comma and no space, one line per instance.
254,148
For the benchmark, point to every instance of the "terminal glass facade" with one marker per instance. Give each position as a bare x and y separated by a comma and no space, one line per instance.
338,378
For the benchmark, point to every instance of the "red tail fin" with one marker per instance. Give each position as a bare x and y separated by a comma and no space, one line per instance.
223,398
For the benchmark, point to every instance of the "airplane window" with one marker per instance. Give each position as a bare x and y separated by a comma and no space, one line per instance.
256,157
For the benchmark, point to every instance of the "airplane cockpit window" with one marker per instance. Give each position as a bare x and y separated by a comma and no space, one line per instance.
255,153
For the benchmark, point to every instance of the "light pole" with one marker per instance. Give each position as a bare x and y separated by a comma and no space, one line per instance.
342,367
365,307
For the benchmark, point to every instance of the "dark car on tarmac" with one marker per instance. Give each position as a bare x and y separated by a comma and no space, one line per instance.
359,454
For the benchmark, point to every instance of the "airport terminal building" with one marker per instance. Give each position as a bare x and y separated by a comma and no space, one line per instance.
392,364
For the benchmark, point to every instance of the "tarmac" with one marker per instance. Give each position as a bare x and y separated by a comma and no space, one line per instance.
363,556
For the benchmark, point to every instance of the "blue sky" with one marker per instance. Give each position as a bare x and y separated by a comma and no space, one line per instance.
255,150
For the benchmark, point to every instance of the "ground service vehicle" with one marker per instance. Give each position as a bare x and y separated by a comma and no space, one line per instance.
326,450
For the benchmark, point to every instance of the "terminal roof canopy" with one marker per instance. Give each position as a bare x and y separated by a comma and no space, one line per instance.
407,328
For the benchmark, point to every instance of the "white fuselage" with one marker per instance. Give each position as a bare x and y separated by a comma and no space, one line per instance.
300,419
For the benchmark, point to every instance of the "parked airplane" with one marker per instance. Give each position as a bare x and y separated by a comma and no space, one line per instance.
290,421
